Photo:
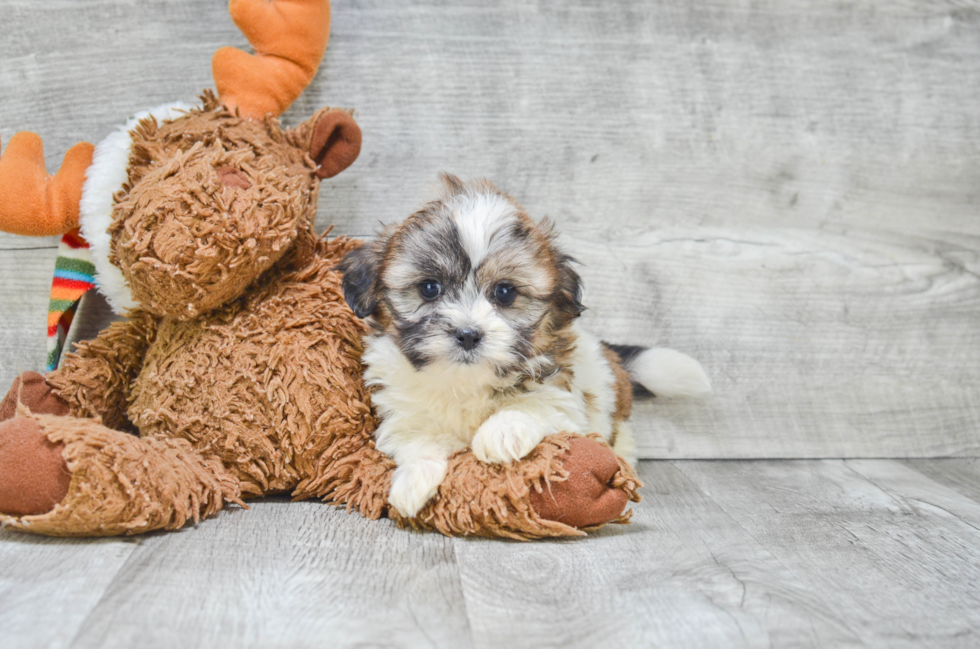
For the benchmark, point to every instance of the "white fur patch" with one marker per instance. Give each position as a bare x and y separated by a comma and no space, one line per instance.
106,176
594,376
508,435
478,219
625,443
669,373
414,483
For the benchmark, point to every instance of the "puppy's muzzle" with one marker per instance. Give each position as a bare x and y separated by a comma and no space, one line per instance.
468,339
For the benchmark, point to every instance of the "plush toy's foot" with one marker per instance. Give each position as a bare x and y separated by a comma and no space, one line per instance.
33,474
587,497
118,483
32,391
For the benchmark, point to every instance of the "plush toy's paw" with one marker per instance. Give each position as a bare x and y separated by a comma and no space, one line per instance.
413,484
33,474
587,497
507,436
34,393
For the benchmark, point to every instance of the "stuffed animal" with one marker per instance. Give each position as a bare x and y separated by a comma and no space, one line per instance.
237,371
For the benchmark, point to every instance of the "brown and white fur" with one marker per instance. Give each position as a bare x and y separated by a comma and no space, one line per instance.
475,343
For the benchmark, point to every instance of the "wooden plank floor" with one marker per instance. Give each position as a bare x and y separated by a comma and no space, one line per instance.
776,553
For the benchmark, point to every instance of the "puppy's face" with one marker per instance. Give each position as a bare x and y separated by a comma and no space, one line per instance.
469,279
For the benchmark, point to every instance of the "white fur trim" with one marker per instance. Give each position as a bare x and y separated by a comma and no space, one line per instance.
104,177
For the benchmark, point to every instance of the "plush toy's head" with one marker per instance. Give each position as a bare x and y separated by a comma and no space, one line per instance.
194,206
213,200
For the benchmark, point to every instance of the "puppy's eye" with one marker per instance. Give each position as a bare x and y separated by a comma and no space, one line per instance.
430,289
504,294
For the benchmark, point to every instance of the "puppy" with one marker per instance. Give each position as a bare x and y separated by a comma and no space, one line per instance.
474,342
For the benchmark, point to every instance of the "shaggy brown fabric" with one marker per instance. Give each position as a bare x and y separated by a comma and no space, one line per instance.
95,379
270,383
185,240
32,390
34,475
124,485
265,394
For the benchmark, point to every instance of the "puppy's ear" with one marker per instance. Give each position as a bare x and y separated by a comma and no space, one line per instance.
360,268
568,289
452,185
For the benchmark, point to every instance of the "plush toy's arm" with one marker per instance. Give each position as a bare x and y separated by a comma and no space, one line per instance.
95,379
567,485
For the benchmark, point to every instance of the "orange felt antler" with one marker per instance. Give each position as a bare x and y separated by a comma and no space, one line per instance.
32,202
289,37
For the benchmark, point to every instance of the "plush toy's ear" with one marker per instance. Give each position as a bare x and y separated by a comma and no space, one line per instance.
334,141
360,268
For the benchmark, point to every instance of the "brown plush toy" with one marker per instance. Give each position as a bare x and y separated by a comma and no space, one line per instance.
237,372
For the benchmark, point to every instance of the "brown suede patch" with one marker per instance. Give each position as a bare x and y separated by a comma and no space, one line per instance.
335,142
33,474
34,393
587,497
233,178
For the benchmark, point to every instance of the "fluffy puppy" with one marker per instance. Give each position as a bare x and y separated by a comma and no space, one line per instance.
474,343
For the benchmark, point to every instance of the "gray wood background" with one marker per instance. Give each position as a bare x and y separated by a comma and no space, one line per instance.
786,190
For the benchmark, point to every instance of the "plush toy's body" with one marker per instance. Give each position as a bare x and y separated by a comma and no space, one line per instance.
239,363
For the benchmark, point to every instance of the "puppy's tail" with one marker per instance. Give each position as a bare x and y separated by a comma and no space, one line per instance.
664,372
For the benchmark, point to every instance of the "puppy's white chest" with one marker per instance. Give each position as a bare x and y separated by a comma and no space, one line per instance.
446,401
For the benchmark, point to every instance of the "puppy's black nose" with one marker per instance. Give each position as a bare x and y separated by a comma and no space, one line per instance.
468,338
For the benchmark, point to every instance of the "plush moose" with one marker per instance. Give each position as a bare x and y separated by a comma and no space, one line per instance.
237,371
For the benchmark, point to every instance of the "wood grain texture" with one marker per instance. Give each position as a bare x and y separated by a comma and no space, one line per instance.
903,569
737,554
24,293
48,587
786,190
820,343
284,575
684,574
920,491
959,474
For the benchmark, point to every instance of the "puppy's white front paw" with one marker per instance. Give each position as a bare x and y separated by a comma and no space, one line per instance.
414,483
506,436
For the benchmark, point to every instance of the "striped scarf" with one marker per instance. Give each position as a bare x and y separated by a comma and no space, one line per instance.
73,277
